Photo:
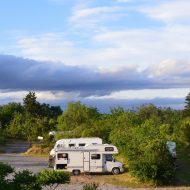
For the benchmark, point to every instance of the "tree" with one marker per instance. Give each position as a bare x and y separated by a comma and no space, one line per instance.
30,104
7,113
147,153
187,106
75,115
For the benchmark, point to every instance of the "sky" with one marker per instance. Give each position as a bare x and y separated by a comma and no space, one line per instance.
104,53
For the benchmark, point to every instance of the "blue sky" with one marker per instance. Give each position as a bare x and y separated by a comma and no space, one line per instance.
102,52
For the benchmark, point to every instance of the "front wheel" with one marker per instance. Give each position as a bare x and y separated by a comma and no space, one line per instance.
76,172
115,171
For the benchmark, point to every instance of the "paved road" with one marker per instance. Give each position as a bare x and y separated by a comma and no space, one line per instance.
20,162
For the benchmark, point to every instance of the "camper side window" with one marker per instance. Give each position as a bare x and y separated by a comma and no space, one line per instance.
82,144
71,145
95,156
62,156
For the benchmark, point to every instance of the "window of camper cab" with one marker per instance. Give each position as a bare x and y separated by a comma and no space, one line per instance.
62,156
109,149
60,146
82,144
71,145
95,156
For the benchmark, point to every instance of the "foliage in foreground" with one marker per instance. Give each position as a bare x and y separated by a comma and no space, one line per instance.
91,186
26,180
52,179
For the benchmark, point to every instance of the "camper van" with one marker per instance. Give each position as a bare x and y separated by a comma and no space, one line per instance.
72,143
94,158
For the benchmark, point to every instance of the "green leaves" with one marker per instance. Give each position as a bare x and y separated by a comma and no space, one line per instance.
5,170
91,186
49,178
26,180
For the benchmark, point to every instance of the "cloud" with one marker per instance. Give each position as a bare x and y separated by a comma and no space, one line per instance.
26,74
92,17
108,48
171,68
172,11
144,47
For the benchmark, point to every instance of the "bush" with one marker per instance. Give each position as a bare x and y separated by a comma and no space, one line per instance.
155,164
5,170
25,180
92,186
147,153
53,178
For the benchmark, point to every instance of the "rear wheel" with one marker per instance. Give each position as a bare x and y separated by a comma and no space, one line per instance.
115,171
76,172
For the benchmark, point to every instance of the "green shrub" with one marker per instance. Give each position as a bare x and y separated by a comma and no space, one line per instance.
147,153
53,178
155,164
25,180
5,170
92,186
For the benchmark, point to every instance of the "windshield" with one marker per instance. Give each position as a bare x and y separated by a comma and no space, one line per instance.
109,157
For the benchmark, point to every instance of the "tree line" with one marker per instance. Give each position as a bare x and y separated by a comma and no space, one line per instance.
139,134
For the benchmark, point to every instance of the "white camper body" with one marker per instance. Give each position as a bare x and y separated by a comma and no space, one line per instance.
91,158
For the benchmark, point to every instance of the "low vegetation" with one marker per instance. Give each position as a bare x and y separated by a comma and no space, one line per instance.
140,134
38,150
91,186
26,180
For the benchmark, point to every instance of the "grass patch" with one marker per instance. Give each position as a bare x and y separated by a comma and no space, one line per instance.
37,150
123,180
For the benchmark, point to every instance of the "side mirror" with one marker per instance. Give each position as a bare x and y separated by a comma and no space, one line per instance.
113,159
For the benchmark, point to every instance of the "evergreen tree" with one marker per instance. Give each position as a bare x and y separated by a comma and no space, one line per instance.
30,104
187,106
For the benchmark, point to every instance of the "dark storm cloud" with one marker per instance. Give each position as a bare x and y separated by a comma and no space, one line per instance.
25,74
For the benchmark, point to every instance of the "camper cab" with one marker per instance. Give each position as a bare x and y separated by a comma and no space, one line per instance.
96,158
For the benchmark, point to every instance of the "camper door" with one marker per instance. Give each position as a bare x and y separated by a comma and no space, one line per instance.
86,162
96,163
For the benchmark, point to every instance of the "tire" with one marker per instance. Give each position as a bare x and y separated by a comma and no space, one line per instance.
115,171
76,172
